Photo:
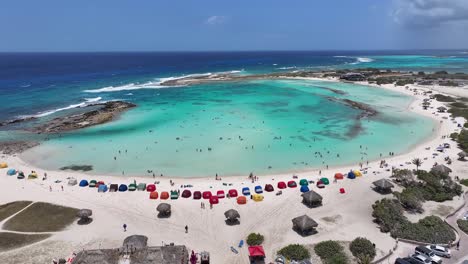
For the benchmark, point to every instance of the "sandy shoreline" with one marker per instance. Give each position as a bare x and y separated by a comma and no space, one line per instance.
342,217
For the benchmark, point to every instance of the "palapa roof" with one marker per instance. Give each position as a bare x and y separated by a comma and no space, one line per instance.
231,214
383,183
164,208
311,196
441,108
304,222
84,213
135,241
441,169
462,154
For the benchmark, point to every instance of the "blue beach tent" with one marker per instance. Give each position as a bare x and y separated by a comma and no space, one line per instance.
83,183
258,189
11,172
123,188
304,188
102,188
351,175
246,191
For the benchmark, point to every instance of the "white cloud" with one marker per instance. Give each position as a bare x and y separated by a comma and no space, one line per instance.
429,13
215,20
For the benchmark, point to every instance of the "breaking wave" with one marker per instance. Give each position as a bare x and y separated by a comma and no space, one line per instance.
88,101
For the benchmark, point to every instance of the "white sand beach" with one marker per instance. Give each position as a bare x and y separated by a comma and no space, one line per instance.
342,216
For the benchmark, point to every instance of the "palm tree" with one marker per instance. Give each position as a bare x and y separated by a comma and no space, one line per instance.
418,162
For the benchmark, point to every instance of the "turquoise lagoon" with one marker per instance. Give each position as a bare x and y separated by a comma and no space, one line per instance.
264,127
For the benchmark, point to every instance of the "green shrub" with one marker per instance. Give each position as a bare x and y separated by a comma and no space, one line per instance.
388,213
255,239
458,105
430,229
411,199
464,182
338,258
444,98
361,247
326,249
438,187
295,252
463,225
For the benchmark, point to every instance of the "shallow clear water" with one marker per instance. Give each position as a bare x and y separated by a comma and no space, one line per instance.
259,126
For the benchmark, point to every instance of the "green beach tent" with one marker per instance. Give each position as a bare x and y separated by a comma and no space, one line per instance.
325,181
141,186
132,187
303,182
174,195
92,183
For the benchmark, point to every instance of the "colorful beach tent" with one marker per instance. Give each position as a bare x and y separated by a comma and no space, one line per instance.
232,193
20,175
92,183
3,165
304,188
339,176
132,187
11,172
241,200
320,184
256,251
102,188
357,173
186,194
197,195
257,197
33,175
303,182
246,191
151,188
174,195
113,187
164,195
206,195
99,183
292,184
325,181
258,189
123,188
83,183
351,175
281,185
141,186
269,188
154,195
214,200
220,194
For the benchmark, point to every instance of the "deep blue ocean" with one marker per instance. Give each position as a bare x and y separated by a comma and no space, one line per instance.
40,83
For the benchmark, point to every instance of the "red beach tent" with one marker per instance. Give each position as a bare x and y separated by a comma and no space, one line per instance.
269,188
154,195
339,176
151,188
232,193
197,195
164,195
292,184
220,194
281,185
214,200
186,194
206,195
256,252
241,200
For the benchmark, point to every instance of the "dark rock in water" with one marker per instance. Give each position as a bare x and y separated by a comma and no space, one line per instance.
78,168
106,113
15,147
15,121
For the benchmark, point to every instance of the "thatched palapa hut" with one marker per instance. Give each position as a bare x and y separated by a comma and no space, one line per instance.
164,209
304,224
383,185
231,216
84,215
312,199
441,169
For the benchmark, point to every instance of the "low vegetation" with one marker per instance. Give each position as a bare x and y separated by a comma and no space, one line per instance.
388,214
331,252
10,241
42,217
295,252
254,239
363,249
464,182
9,209
463,225
462,139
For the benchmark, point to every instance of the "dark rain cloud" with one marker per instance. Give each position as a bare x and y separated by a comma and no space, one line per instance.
430,13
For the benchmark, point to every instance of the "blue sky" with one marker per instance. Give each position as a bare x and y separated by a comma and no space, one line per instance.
162,25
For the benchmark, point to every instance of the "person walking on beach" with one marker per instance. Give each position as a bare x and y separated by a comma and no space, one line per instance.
458,245
125,227
186,229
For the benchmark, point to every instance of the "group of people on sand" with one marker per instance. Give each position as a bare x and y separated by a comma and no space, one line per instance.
202,205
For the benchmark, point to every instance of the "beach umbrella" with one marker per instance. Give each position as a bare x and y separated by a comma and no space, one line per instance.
231,214
442,169
304,223
164,208
311,198
383,184
303,182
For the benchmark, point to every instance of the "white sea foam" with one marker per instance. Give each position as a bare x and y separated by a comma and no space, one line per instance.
157,83
287,68
88,101
362,60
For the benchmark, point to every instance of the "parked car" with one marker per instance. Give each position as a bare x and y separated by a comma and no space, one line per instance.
440,251
427,252
420,259
403,261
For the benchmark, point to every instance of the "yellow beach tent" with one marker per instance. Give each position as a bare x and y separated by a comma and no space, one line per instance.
257,197
357,173
3,165
33,175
